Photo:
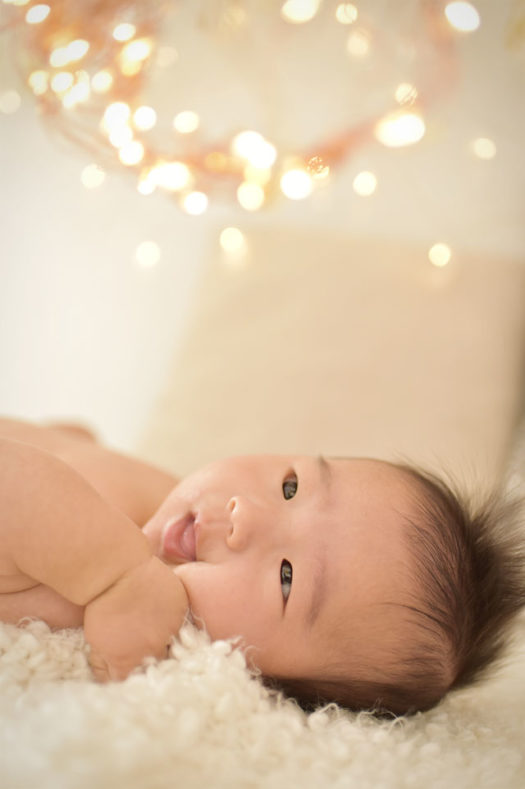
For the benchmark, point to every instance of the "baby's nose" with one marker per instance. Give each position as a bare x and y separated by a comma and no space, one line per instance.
241,523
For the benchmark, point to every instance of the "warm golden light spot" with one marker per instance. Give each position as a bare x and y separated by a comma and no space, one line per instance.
120,135
137,50
318,168
245,142
37,14
400,128
147,254
195,203
116,114
296,184
233,241
38,81
131,153
186,122
463,16
62,81
77,49
59,57
483,148
10,102
299,11
346,13
252,146
124,31
250,196
365,183
171,175
129,68
77,94
439,255
102,81
146,184
92,176
406,93
358,44
144,118
263,156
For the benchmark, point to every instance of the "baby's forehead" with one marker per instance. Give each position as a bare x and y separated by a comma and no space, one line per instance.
377,480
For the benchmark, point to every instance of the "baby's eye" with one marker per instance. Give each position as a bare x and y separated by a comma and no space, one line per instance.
286,578
290,485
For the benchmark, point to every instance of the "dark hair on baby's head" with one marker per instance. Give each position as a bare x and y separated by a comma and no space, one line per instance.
468,568
470,562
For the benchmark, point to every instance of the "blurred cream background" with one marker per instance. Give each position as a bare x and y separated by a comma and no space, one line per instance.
89,334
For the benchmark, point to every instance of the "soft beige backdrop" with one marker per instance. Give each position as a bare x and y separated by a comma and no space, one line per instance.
323,343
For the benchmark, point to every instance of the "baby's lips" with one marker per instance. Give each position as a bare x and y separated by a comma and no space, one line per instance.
178,539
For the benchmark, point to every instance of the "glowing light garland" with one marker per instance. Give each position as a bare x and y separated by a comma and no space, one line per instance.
87,65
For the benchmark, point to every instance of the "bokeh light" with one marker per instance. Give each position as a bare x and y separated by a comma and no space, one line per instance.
131,153
233,241
358,44
195,203
483,148
144,118
102,81
250,196
296,184
346,13
92,176
147,254
365,184
37,14
186,122
299,11
463,16
400,128
439,254
124,31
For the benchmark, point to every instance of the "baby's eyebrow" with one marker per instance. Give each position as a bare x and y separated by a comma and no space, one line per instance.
318,591
318,582
325,470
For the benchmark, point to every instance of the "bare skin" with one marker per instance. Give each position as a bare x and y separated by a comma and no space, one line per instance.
72,552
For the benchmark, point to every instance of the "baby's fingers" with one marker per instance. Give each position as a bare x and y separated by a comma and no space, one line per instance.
99,667
105,671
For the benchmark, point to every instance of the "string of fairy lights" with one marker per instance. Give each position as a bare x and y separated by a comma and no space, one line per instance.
88,75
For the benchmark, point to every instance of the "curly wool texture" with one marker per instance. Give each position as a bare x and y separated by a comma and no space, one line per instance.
201,719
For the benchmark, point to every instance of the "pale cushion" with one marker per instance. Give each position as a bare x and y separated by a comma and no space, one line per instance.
322,343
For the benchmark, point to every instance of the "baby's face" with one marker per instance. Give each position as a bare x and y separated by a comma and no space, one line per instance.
301,557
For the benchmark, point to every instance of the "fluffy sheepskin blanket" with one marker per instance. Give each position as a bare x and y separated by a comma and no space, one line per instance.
200,719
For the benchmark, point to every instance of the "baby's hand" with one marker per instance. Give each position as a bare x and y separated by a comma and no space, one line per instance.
133,619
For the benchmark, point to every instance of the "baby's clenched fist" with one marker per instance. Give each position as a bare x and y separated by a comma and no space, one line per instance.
134,618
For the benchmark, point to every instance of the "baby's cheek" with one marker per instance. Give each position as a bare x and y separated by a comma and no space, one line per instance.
199,585
213,598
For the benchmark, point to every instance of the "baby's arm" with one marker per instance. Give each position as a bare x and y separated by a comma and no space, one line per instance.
55,529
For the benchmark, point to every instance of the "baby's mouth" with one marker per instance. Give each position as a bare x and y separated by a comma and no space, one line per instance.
178,540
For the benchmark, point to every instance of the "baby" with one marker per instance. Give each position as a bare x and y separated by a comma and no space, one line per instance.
349,580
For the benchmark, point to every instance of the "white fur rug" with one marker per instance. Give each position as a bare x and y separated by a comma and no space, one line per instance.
201,720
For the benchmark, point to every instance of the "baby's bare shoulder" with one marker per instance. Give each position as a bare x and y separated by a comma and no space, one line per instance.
19,461
134,487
